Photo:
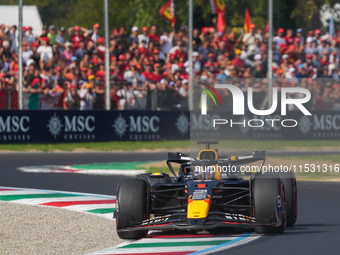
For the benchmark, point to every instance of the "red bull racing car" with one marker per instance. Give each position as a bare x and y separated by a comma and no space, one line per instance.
207,192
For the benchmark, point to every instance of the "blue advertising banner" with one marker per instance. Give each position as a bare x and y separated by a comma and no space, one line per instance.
92,126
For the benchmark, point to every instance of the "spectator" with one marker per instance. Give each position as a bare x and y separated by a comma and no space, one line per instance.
184,94
26,53
33,89
309,49
237,62
70,101
140,95
101,48
114,97
165,41
204,50
157,59
12,37
157,74
317,38
76,35
316,63
24,29
152,96
322,47
133,37
95,35
51,35
44,50
289,39
140,79
129,75
125,97
299,36
301,72
80,52
3,34
249,37
121,34
153,34
30,37
50,96
67,54
279,39
324,60
60,40
58,78
144,38
196,63
43,32
99,92
86,95
180,52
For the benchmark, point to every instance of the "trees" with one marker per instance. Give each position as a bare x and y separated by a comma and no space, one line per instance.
287,13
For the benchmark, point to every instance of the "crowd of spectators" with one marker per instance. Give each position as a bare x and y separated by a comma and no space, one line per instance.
64,68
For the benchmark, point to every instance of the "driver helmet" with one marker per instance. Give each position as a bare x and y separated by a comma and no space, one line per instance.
204,173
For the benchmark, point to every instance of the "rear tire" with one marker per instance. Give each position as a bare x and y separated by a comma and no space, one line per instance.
266,189
131,202
289,182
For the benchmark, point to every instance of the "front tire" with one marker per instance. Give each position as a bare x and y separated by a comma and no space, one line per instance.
289,182
267,191
131,203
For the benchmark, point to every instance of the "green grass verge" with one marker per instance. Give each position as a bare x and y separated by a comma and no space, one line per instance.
232,145
99,146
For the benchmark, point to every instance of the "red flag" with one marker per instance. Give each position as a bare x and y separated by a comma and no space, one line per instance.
267,27
168,11
217,6
220,22
247,22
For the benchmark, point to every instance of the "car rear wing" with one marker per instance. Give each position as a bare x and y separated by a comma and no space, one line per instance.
243,160
181,158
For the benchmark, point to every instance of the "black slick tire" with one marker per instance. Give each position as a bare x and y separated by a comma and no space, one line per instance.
131,202
289,182
266,189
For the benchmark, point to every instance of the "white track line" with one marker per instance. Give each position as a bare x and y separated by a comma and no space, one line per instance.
228,245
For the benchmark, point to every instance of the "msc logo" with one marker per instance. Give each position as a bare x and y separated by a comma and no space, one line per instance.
138,127
239,102
71,124
14,124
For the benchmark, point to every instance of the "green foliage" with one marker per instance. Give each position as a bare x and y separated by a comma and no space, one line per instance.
67,13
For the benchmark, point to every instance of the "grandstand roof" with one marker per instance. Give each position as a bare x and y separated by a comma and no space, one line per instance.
31,17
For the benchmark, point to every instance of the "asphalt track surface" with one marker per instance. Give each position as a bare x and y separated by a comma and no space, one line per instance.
317,230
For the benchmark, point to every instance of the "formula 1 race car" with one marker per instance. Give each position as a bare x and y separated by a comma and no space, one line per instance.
209,192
